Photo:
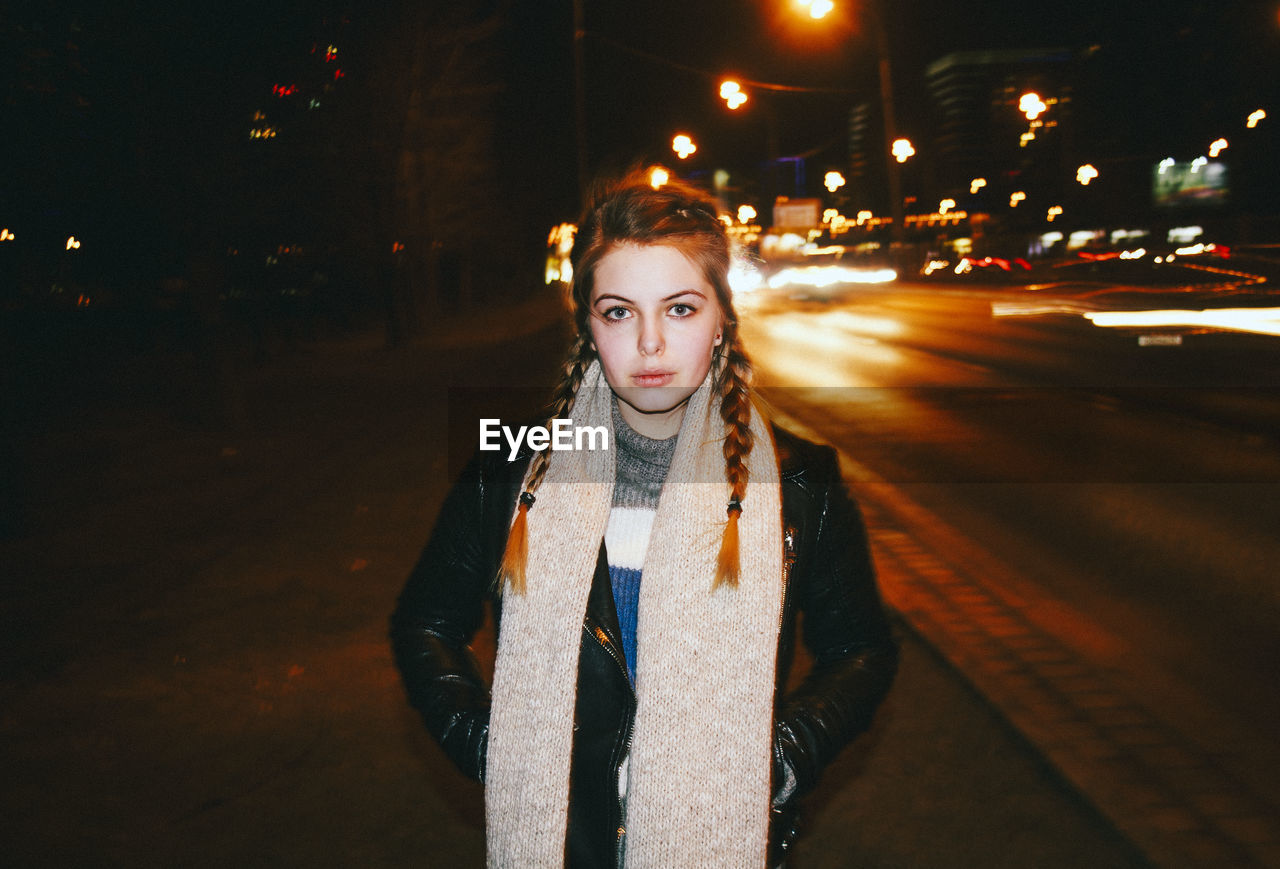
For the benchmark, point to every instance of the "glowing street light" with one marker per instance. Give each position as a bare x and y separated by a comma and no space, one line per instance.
658,176
1199,163
1032,106
73,243
746,214
683,146
946,205
977,184
833,181
1166,164
1216,147
1054,211
817,8
902,150
6,235
731,92
864,216
1015,198
1086,173
1254,118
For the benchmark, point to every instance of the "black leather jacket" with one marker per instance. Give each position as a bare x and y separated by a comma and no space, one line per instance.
829,582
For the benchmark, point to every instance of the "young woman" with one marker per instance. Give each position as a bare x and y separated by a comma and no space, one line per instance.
648,593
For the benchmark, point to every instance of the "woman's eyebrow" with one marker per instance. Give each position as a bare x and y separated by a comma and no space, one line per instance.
675,295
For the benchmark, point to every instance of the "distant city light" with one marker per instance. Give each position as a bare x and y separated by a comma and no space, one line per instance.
864,216
1184,234
1086,173
1032,106
1054,211
977,184
284,90
1166,164
817,8
1261,321
1015,198
946,205
73,243
746,214
1026,137
6,235
825,276
902,150
658,176
1254,118
833,181
731,92
1217,147
330,54
683,146
1198,163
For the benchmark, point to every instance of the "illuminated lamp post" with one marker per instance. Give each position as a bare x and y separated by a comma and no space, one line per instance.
875,17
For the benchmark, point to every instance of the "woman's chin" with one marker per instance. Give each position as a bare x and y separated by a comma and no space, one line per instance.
654,401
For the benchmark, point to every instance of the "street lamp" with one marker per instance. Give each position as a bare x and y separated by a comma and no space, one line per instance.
731,92
817,8
683,146
1254,118
976,184
1217,147
902,150
833,181
658,176
1032,106
1086,173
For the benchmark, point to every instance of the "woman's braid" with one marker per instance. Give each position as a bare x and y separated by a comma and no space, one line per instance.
735,410
511,573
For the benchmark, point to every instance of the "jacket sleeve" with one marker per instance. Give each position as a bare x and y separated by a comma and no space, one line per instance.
438,613
845,629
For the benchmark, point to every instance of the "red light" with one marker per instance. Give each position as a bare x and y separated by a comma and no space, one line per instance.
284,90
337,74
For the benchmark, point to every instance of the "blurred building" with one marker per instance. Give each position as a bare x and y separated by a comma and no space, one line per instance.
1004,117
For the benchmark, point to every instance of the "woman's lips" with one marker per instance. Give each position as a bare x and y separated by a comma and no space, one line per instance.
653,378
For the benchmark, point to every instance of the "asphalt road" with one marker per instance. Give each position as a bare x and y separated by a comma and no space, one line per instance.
1134,488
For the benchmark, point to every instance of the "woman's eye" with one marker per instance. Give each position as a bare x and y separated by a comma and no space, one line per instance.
681,310
615,313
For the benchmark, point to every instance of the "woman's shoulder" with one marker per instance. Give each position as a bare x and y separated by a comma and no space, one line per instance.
802,458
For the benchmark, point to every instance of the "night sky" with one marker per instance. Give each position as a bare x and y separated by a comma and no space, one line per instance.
167,86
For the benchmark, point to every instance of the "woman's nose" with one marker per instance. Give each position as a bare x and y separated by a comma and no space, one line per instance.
651,340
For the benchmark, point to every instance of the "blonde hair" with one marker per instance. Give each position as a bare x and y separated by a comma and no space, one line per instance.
631,211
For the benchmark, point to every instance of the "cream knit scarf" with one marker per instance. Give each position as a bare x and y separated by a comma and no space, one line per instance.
701,750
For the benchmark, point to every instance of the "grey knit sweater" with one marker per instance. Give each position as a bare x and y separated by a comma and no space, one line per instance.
642,467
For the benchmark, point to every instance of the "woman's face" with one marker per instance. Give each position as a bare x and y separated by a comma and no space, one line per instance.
655,324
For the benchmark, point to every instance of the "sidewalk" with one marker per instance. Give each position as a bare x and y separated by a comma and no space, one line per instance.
195,670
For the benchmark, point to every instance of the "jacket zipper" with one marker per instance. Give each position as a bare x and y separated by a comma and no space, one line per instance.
788,561
603,639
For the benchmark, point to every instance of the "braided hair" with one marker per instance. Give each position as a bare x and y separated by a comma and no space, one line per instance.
631,210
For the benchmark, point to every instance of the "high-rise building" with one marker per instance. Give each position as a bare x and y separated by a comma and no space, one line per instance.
1004,117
